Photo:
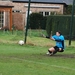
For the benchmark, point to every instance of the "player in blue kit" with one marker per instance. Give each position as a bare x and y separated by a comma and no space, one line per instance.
59,38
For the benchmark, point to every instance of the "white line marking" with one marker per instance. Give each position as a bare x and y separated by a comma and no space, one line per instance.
63,67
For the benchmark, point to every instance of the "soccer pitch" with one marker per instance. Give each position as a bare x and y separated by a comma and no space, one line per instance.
31,59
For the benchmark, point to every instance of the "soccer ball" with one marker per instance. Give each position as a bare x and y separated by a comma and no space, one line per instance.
21,42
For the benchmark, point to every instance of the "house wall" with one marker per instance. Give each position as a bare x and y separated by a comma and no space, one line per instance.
19,18
22,7
38,9
18,21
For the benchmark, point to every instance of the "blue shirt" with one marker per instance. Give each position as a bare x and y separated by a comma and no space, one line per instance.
59,41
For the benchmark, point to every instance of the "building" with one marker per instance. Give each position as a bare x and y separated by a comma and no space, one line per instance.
16,12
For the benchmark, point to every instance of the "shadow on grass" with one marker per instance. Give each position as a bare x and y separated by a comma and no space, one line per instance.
64,55
58,55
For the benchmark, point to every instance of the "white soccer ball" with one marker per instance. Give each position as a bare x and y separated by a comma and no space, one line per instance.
21,42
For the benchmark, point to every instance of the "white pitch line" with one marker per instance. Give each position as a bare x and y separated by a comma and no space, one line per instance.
63,67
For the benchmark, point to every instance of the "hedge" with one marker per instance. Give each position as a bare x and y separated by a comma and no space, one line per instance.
60,23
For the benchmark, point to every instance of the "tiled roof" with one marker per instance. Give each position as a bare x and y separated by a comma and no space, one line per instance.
68,2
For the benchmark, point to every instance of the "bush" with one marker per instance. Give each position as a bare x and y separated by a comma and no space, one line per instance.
37,21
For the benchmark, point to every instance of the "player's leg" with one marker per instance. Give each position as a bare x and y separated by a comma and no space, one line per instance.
51,50
61,50
56,50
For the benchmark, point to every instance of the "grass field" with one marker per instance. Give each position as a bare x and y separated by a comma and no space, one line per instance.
31,59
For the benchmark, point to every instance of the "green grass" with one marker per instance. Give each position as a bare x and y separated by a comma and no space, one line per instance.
31,59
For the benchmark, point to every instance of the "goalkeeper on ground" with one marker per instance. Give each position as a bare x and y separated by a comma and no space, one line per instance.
59,38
